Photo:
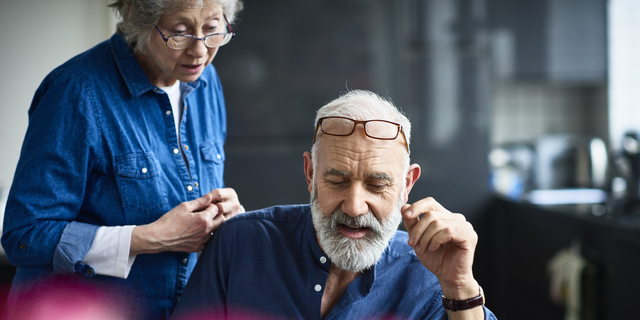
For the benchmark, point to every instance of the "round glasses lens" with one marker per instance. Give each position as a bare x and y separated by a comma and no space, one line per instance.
218,39
382,129
179,42
337,126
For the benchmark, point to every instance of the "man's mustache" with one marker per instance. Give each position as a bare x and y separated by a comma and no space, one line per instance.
367,220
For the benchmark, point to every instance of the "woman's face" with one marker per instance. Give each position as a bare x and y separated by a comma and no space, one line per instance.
164,65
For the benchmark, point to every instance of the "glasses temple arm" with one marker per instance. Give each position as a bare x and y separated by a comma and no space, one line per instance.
228,24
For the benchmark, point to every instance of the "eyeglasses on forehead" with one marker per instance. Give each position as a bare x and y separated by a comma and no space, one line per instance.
376,129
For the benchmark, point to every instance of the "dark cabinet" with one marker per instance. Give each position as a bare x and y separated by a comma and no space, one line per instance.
549,40
521,240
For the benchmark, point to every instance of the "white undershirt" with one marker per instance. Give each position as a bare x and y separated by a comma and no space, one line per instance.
176,104
109,254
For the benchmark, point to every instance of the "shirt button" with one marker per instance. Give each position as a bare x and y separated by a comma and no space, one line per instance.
219,156
318,288
189,188
168,112
22,246
195,184
185,260
144,170
186,147
323,259
176,151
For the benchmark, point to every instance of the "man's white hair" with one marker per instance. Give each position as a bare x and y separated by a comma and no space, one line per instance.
363,105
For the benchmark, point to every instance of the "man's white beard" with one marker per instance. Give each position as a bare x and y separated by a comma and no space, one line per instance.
354,254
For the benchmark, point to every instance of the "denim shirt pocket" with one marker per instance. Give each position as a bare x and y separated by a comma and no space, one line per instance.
140,182
213,159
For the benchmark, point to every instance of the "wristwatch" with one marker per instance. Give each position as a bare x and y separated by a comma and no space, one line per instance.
457,305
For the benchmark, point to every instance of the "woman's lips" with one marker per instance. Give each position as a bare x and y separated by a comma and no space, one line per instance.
354,233
192,68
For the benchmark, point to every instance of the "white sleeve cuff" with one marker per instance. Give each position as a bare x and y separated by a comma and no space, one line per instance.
109,253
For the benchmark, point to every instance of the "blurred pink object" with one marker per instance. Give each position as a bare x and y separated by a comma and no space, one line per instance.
67,298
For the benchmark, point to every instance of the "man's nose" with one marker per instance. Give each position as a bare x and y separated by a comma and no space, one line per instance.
355,203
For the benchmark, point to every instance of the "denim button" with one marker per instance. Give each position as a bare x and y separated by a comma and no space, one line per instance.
189,188
176,151
144,170
195,184
186,147
168,112
185,260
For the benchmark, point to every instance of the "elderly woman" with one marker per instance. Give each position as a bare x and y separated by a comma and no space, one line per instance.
120,178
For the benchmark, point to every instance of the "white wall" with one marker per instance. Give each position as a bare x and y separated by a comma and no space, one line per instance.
624,68
36,37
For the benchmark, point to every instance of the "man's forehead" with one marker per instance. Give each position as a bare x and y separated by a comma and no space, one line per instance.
370,156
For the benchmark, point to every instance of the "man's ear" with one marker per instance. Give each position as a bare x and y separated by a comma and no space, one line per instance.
412,176
308,170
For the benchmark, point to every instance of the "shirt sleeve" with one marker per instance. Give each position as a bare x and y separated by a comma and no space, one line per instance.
109,253
60,148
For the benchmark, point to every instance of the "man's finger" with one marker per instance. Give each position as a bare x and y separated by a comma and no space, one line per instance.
408,222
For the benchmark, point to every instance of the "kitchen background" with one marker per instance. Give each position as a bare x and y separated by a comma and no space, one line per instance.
506,98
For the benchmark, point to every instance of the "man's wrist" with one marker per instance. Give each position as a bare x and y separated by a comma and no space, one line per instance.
464,304
463,291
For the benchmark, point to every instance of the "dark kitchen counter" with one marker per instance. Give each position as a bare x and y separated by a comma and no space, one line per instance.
519,239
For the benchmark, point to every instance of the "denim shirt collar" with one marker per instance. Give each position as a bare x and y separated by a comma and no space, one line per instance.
134,77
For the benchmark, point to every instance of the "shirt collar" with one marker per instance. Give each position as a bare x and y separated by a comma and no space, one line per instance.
131,71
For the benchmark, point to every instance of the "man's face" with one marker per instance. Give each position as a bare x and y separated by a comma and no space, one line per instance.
356,195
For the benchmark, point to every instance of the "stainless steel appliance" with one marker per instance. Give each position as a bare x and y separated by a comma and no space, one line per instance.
571,161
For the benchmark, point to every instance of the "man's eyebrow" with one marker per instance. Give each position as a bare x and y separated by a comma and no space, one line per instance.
380,176
335,172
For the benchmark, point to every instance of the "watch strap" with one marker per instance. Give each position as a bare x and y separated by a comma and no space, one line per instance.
458,305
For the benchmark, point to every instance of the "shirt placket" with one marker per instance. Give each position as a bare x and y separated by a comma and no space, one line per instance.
190,185
193,186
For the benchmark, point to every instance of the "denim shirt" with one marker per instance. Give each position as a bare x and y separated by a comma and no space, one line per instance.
101,150
280,272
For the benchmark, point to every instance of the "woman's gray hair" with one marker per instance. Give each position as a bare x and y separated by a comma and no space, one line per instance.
364,105
139,17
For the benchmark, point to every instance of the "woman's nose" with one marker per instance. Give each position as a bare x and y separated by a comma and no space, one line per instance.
198,49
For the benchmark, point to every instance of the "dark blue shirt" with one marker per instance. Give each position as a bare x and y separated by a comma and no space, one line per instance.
101,150
267,264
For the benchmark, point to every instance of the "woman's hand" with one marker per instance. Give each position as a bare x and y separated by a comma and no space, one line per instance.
185,228
227,202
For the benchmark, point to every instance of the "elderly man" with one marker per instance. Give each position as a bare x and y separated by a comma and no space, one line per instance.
341,257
